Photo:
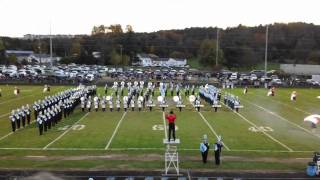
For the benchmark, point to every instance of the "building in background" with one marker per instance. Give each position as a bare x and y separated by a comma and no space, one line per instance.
38,36
42,59
147,60
20,55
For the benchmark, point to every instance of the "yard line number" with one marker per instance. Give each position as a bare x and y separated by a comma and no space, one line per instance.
160,127
260,129
76,127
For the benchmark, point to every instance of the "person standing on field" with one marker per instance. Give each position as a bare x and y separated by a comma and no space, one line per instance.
171,118
217,147
204,149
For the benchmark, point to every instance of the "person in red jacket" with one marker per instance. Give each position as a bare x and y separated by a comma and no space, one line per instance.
171,117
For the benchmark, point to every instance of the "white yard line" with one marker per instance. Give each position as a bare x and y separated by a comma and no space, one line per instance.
75,149
3,115
164,125
285,104
115,131
212,130
282,118
266,134
19,98
5,136
65,131
146,149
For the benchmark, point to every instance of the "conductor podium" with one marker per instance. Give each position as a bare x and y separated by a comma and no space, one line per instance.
171,157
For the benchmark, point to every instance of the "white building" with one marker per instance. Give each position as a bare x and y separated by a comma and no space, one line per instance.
42,58
153,60
20,55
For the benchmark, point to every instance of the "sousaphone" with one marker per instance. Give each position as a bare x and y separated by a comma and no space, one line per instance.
160,99
140,98
175,99
192,98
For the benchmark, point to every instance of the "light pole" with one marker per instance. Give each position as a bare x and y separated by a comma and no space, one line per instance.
121,53
39,46
266,52
217,47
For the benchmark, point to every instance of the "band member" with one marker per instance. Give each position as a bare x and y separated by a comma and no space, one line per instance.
139,105
89,104
40,125
23,116
132,104
103,104
28,113
96,103
179,104
45,121
122,87
16,91
106,89
0,92
178,89
171,118
150,103
48,117
125,105
171,89
204,149
45,88
163,103
192,90
13,121
83,103
17,117
217,150
245,91
197,104
273,91
293,96
118,104
111,105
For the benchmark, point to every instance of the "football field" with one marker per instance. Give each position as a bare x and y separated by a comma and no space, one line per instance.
268,133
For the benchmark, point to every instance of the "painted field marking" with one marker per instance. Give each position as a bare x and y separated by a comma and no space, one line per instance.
139,149
260,128
65,131
4,115
19,98
160,127
285,104
115,131
212,130
165,125
1,116
76,127
266,134
5,136
283,119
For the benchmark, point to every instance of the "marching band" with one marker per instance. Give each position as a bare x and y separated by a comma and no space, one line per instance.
52,109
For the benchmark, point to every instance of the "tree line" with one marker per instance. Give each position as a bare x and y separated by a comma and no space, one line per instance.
237,46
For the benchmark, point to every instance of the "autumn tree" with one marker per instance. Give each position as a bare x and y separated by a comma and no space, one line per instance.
207,53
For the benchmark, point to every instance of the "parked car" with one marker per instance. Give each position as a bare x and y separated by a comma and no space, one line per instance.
234,76
312,82
90,77
253,77
277,81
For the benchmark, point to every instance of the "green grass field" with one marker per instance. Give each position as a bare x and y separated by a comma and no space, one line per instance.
268,133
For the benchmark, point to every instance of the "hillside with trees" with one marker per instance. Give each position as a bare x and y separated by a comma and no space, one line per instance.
238,46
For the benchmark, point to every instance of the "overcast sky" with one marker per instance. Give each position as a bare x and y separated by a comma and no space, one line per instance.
19,17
